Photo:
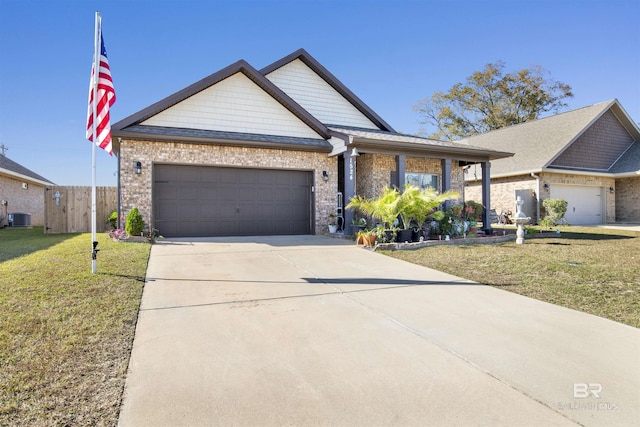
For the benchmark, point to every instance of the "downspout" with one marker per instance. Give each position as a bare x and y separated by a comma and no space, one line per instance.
537,197
120,225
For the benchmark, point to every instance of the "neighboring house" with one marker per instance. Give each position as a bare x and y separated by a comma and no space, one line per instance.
248,152
589,157
22,189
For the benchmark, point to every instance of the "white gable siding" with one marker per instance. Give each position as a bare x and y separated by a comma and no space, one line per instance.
235,104
316,96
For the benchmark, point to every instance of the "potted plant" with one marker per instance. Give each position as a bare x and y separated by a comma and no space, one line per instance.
366,238
471,211
359,224
418,205
412,206
333,227
383,208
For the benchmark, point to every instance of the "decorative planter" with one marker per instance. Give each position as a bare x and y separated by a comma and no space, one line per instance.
405,235
419,235
388,237
333,228
366,239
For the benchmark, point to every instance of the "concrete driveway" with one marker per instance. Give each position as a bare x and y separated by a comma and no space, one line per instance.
309,330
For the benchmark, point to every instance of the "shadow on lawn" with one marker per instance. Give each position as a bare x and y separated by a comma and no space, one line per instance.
16,242
567,235
124,276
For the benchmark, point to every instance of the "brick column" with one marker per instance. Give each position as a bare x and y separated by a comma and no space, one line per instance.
486,197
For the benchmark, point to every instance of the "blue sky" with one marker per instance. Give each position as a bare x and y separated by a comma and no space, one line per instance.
390,53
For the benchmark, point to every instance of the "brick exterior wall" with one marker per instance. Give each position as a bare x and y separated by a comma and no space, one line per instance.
29,201
503,190
628,199
503,193
373,172
137,189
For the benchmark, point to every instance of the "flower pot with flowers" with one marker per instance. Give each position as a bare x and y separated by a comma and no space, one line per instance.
333,226
471,212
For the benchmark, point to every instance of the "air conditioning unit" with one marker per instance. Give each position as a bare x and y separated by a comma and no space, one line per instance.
19,219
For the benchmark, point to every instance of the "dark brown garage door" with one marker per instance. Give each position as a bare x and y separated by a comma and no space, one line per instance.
207,201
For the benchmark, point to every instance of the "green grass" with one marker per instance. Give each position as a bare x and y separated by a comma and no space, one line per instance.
66,334
593,270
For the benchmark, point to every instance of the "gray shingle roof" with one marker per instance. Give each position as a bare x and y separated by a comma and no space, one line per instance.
398,141
539,142
9,165
629,162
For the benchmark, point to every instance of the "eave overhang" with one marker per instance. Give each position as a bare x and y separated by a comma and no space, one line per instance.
196,136
25,178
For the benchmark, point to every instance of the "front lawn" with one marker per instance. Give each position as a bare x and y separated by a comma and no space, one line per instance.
588,269
66,334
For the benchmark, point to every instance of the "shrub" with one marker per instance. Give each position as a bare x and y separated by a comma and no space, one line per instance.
473,210
135,223
112,220
556,208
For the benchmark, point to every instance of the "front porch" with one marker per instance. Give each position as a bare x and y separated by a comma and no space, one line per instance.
369,161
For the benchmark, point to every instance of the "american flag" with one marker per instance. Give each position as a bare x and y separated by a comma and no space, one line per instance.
105,99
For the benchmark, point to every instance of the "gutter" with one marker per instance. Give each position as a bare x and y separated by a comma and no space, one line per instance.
25,177
564,171
339,142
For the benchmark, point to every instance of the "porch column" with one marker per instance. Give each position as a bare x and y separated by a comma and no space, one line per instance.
349,189
446,179
401,169
486,197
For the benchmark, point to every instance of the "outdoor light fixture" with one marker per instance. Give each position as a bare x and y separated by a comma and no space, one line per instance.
138,168
546,186
325,176
354,152
611,190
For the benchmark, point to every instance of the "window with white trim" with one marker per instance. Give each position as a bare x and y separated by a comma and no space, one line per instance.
421,180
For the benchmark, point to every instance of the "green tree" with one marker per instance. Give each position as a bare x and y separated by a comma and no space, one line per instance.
491,99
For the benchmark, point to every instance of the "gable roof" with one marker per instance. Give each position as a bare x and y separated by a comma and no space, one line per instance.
539,142
131,125
16,170
333,81
153,122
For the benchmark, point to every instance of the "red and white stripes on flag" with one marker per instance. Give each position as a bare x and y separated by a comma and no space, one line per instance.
106,97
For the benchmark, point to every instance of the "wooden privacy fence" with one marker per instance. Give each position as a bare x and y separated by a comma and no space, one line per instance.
68,209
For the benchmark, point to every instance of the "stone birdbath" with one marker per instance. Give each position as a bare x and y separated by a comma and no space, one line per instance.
520,219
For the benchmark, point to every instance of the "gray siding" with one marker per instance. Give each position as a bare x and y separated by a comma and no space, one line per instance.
598,147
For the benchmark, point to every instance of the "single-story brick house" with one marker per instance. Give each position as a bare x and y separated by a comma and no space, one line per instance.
271,151
589,157
23,190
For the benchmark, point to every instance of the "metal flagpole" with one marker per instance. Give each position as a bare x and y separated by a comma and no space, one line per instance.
96,72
